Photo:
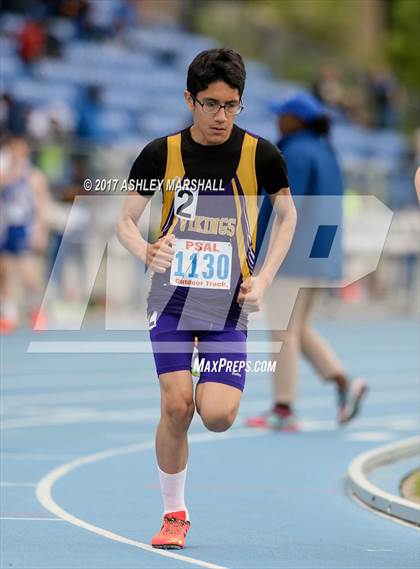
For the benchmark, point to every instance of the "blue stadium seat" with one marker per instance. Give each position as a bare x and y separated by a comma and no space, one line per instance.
143,81
155,125
123,99
7,47
11,23
63,29
389,144
354,139
265,129
40,92
108,55
11,66
116,124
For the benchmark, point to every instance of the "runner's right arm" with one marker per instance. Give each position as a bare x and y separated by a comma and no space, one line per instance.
148,166
156,256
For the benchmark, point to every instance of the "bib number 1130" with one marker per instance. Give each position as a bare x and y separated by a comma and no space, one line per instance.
202,264
221,272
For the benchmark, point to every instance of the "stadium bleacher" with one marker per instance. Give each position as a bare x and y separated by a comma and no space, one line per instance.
142,79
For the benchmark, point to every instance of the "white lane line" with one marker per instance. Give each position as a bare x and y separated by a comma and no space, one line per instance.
323,402
85,416
17,484
29,412
33,456
100,395
76,379
45,486
373,399
16,383
377,550
82,396
368,436
147,415
31,519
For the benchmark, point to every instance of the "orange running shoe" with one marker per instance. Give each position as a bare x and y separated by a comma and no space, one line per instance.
173,531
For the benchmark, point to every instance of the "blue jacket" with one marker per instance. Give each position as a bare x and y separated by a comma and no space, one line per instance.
316,184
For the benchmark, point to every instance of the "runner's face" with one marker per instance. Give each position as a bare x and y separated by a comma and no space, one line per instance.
216,128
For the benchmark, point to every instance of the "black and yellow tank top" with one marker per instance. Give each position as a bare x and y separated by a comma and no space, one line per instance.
215,228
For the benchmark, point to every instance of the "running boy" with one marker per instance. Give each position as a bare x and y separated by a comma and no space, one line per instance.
211,175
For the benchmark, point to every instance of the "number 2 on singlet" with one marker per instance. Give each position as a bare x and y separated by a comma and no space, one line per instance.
186,203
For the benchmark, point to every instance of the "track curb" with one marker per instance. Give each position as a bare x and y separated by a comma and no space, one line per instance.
373,496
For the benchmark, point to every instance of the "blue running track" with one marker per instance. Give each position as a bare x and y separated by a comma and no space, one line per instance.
79,484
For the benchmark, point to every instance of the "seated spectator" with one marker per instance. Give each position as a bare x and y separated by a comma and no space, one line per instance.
31,41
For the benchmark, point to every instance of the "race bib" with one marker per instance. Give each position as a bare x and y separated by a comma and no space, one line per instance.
202,264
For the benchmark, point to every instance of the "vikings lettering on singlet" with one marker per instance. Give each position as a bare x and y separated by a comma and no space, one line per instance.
210,225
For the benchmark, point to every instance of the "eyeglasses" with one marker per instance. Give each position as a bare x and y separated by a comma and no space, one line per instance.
213,107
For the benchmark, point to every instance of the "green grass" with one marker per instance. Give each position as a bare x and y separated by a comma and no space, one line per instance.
416,485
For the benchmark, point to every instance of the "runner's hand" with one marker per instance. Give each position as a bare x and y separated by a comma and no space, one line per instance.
251,293
160,254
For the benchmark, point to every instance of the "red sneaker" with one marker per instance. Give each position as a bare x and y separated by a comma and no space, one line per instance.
286,422
173,531
7,326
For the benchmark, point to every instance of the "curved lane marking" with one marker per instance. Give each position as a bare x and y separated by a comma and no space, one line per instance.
45,486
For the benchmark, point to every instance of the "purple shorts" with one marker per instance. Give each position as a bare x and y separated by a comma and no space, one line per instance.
221,353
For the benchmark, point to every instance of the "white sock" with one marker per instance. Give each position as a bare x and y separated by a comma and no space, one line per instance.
172,487
9,310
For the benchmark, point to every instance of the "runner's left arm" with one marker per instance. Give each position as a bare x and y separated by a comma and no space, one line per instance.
281,234
252,290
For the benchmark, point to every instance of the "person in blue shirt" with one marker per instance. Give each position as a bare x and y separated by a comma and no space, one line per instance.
314,261
89,126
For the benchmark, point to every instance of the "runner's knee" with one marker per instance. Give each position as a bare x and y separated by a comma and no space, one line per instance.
178,410
218,421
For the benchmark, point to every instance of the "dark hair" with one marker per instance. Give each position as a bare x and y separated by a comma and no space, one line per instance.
321,125
221,64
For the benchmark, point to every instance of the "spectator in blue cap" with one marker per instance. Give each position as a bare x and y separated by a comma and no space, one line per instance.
302,106
313,171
